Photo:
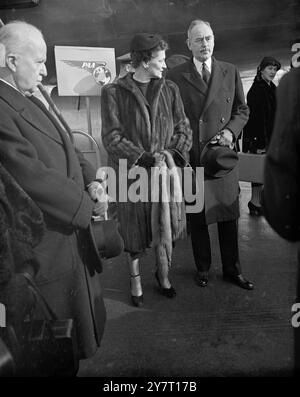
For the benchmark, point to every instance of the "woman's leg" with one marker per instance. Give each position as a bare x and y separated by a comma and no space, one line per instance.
162,273
256,194
135,278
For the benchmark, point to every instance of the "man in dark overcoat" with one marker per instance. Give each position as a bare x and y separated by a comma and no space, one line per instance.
214,102
38,153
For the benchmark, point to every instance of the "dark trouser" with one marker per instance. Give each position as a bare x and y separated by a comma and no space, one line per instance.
228,240
297,330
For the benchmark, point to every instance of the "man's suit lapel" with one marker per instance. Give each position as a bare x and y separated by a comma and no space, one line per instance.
17,101
193,77
215,82
26,114
20,104
63,135
210,92
68,146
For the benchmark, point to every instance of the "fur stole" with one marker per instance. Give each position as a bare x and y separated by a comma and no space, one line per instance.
168,221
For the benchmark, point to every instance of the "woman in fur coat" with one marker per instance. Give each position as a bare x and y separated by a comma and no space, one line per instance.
144,124
261,100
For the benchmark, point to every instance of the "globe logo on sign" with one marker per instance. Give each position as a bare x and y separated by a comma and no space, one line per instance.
98,70
101,75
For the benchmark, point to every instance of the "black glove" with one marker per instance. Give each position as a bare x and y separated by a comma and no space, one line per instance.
179,160
146,160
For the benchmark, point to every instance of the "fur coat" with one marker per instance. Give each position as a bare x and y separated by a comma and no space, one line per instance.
21,229
131,125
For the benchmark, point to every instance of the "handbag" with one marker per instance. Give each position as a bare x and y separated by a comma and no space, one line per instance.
49,345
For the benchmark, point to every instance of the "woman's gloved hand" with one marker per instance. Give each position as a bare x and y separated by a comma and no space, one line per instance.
147,159
178,158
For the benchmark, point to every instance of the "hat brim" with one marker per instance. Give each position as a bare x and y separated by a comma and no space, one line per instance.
208,160
106,238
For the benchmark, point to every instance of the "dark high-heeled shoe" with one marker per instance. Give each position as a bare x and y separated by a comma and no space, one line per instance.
136,300
254,210
168,292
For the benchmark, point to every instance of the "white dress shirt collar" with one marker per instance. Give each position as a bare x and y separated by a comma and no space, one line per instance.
198,65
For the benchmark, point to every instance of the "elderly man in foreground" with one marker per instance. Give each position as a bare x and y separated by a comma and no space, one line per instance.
38,153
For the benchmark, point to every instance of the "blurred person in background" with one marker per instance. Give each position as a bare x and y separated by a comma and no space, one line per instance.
261,100
281,192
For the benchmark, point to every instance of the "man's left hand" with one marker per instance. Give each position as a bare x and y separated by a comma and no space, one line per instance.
98,194
100,208
226,138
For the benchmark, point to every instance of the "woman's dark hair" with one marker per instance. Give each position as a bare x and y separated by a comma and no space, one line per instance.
137,57
266,61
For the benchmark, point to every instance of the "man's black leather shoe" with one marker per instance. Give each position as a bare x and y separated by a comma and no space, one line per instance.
201,279
239,280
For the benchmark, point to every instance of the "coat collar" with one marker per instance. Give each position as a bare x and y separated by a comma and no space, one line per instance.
12,96
218,73
20,103
148,111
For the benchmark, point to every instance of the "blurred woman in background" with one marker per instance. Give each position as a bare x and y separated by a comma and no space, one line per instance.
261,100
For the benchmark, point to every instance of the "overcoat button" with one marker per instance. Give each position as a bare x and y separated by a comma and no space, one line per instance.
223,120
228,100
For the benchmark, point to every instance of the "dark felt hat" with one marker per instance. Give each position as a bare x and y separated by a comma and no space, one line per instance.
126,58
218,160
144,42
176,59
105,238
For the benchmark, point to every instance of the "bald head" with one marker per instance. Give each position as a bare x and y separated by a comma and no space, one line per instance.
23,55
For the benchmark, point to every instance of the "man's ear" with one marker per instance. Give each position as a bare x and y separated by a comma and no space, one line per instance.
2,55
11,62
145,64
188,44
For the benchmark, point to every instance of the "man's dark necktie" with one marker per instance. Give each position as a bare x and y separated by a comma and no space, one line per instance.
205,73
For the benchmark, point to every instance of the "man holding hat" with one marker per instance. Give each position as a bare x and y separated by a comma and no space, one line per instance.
214,102
39,155
143,122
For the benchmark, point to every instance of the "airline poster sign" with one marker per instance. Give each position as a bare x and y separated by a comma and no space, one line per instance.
82,71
